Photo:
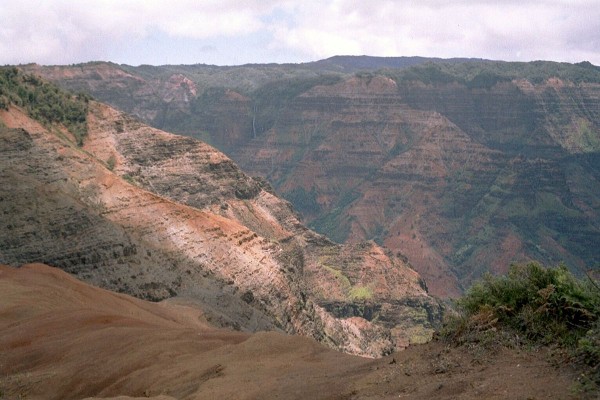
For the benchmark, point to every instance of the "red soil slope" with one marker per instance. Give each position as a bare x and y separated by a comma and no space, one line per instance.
63,339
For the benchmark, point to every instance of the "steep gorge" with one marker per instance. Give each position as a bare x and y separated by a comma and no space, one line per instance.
461,167
156,215
461,181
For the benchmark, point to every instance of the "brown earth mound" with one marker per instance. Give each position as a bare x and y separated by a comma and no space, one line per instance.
63,339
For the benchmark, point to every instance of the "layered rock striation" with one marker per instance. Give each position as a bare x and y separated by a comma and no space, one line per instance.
462,167
156,215
461,180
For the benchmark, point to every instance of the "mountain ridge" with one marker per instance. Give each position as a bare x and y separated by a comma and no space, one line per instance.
505,127
519,120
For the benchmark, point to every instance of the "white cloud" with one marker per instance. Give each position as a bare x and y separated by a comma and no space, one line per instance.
66,31
489,29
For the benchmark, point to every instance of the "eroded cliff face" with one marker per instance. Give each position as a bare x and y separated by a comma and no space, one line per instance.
460,174
156,215
369,166
460,180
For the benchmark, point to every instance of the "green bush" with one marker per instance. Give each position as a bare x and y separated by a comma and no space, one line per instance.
588,351
535,305
539,302
111,162
44,101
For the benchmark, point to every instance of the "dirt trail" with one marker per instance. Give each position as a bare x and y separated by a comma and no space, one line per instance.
62,339
439,371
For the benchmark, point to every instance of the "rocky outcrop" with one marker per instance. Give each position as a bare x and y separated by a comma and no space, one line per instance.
141,211
195,174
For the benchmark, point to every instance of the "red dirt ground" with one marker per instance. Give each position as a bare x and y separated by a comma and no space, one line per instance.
63,339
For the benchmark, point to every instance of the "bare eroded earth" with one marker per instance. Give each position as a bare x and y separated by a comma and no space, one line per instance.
63,339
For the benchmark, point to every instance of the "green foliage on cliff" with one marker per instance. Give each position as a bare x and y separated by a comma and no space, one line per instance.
532,304
485,74
335,224
361,293
429,74
43,101
304,201
270,99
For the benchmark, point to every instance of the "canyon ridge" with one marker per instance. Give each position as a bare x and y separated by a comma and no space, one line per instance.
462,166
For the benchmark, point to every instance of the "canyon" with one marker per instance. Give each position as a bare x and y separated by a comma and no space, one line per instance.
140,211
137,263
460,167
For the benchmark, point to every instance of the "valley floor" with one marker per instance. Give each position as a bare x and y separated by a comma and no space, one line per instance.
63,339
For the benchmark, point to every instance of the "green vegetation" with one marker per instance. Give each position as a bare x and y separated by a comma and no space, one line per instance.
532,305
588,140
129,179
335,224
303,200
428,73
43,101
271,99
339,275
361,293
485,74
355,293
111,162
486,80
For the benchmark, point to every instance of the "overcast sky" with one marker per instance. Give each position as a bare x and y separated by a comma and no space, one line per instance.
231,32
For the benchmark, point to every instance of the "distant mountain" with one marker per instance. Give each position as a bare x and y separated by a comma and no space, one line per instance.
95,192
462,166
350,64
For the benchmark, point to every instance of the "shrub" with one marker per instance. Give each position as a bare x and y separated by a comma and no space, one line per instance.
545,304
588,351
535,305
111,162
43,101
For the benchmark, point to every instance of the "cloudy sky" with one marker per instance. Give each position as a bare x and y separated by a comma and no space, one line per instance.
231,32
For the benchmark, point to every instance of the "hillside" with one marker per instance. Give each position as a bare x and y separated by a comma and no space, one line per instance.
63,339
463,166
140,211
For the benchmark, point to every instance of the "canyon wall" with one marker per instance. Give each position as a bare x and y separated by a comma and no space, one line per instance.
461,168
155,215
